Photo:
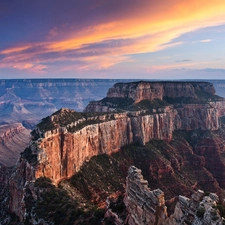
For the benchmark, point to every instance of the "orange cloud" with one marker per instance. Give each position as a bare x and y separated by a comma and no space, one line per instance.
147,27
14,50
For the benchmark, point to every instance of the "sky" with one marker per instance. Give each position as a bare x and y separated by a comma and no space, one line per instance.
115,39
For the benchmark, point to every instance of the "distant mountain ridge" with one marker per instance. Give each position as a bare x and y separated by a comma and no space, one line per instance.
33,99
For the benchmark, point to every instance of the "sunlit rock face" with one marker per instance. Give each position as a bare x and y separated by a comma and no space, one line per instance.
61,153
62,150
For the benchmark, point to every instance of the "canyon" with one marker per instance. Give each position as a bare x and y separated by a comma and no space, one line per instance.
27,101
176,130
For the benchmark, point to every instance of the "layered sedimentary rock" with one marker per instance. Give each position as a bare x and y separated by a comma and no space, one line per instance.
146,207
63,149
154,90
14,138
139,91
61,153
143,205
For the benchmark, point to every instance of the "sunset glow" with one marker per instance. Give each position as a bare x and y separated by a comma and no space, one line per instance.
119,39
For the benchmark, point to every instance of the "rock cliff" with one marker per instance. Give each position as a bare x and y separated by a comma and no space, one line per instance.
146,207
61,153
27,101
173,92
67,139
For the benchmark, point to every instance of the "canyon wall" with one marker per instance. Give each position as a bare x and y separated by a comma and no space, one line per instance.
63,150
13,139
151,90
61,153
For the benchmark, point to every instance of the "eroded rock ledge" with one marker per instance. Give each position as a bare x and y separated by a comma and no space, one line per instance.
63,150
146,207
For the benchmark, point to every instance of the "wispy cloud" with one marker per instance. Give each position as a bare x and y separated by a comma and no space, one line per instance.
140,27
184,60
203,41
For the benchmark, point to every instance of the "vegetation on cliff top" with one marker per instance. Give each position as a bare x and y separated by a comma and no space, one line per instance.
203,93
64,117
59,119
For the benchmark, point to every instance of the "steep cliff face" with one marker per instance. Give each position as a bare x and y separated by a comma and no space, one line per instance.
173,92
153,90
61,153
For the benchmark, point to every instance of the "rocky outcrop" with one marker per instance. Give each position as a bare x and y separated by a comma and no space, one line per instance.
61,153
146,207
143,90
14,138
63,149
139,91
143,205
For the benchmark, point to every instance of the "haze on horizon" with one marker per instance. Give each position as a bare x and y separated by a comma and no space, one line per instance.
130,39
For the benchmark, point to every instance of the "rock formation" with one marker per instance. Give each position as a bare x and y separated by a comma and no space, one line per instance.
139,91
143,206
28,101
62,150
146,207
13,139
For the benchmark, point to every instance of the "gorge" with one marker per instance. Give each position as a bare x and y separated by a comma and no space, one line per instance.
173,131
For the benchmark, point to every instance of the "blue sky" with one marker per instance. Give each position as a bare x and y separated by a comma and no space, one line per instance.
144,39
